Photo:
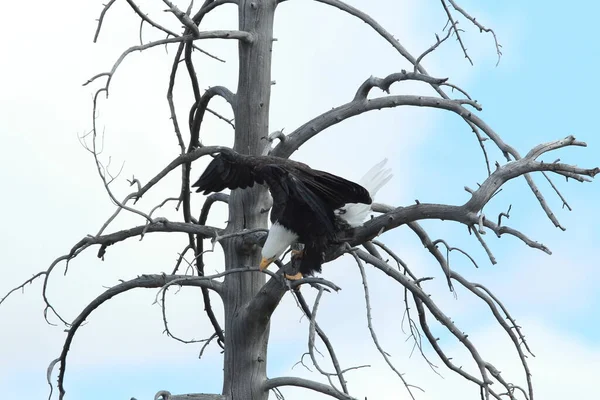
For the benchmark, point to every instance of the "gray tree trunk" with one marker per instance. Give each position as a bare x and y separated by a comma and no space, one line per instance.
246,338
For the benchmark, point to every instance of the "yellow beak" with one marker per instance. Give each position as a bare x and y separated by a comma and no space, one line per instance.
265,263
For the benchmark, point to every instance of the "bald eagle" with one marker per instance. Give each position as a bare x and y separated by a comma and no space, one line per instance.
309,206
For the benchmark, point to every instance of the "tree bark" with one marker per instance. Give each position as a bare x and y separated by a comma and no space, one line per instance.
246,338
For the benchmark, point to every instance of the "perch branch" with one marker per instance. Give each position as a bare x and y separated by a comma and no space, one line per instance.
468,213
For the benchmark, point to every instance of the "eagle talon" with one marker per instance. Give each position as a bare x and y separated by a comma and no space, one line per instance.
294,277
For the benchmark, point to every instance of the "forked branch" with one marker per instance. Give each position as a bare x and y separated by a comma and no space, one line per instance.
469,213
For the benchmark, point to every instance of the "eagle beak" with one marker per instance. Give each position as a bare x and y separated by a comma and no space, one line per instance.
265,263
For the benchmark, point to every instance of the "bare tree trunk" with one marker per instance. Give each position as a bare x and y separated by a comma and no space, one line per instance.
246,338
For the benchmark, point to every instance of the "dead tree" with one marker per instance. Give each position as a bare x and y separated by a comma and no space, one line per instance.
249,297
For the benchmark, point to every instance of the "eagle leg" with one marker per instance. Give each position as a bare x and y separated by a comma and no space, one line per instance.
296,257
294,277
297,253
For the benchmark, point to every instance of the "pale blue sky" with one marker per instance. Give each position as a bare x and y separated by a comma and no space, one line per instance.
543,89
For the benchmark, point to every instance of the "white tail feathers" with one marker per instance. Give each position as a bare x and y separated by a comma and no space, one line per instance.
355,213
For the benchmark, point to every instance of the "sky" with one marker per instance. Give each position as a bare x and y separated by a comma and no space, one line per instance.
543,89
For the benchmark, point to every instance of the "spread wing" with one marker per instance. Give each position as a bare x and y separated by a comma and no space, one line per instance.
320,191
227,172
334,190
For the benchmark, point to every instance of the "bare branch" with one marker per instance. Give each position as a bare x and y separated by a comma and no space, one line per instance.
486,295
170,101
325,339
228,121
144,18
478,234
468,213
166,395
433,341
182,159
307,384
524,166
404,53
307,131
184,18
22,286
102,171
453,27
276,135
373,24
413,328
430,49
210,200
481,27
311,335
167,330
450,249
144,281
385,83
421,298
383,353
131,50
237,35
180,258
161,225
564,201
75,251
101,18
199,108
518,339
199,256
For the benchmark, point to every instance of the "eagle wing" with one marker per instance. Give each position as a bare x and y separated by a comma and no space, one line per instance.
226,171
333,189
318,191
286,186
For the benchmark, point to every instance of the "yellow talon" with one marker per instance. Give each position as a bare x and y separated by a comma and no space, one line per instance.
294,277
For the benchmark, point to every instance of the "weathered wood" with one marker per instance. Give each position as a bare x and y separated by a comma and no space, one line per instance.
246,338
166,395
